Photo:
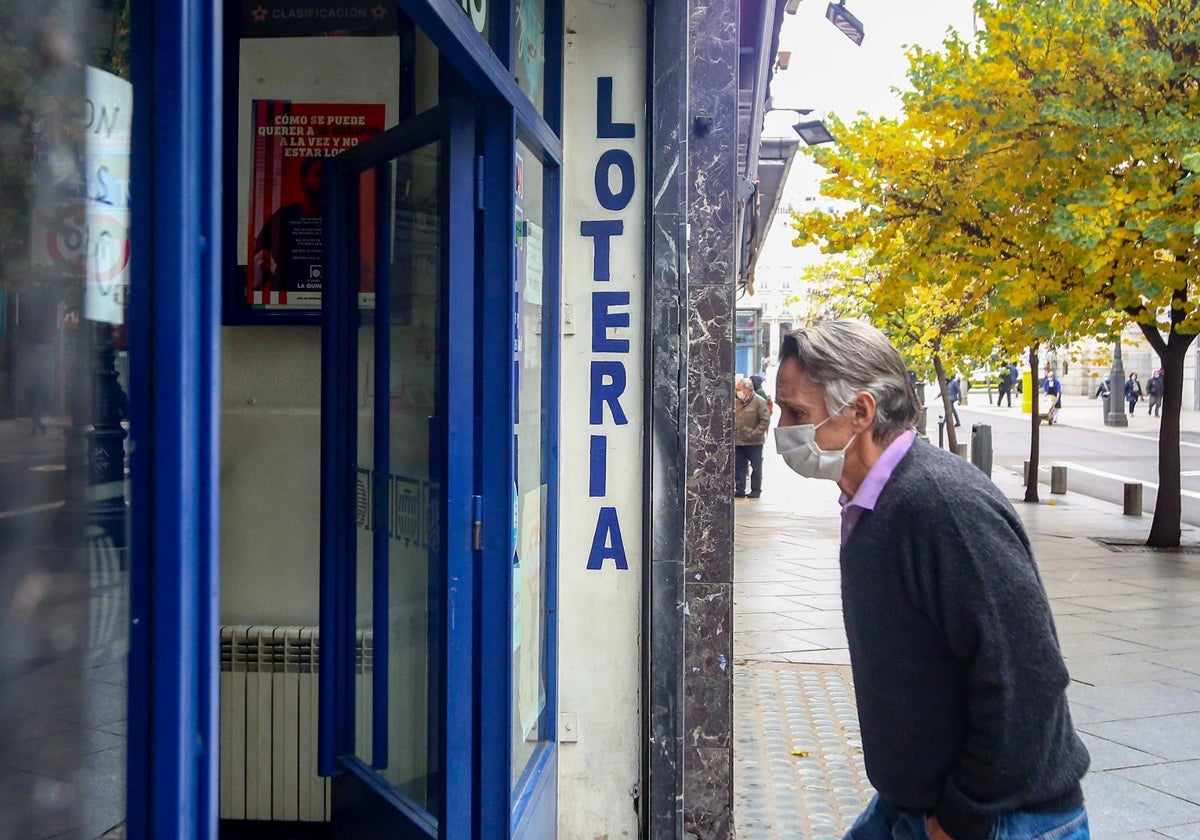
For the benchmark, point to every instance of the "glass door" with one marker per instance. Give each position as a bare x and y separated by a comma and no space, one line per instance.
398,512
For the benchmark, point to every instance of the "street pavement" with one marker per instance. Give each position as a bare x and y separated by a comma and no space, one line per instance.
1099,459
1128,620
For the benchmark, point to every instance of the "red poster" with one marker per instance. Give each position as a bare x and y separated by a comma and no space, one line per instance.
290,142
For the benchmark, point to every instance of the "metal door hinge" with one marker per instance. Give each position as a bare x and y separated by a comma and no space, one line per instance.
477,523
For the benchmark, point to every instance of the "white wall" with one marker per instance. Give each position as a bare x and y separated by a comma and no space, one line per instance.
270,474
600,609
271,376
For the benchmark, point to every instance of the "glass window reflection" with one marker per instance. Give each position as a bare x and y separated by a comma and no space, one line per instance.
64,564
530,431
529,48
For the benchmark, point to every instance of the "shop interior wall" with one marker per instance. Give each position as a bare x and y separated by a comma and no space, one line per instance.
271,375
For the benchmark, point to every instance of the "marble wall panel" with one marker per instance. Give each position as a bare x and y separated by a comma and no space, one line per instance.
708,519
663,773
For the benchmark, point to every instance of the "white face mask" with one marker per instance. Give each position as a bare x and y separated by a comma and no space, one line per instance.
798,446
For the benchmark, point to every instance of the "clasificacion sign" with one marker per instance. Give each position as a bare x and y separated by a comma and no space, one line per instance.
477,10
615,179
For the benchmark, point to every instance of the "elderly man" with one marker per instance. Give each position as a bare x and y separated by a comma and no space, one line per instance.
751,419
957,671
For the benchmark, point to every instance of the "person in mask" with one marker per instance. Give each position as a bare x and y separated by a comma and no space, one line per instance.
751,419
960,684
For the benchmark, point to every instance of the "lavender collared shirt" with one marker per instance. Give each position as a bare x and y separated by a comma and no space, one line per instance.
873,484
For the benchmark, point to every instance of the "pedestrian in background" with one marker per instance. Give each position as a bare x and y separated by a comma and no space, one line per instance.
954,391
1103,392
757,382
1133,391
35,404
1006,383
1154,390
751,419
958,677
1051,387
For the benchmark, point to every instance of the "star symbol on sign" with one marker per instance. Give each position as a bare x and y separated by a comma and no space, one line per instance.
379,12
259,14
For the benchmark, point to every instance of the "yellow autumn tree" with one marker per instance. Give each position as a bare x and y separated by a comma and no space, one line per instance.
963,281
1046,163
1096,101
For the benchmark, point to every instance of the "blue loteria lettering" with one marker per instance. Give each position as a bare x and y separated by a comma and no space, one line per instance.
623,161
608,377
607,543
605,127
603,320
607,392
598,467
602,232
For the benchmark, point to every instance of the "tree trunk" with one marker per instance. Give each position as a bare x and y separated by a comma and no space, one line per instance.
947,409
1165,531
1031,477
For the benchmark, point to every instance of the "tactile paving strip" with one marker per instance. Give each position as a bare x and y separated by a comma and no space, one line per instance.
798,768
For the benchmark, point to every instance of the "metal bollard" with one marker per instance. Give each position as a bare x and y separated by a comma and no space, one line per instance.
960,449
941,432
981,447
1133,499
1025,474
1058,480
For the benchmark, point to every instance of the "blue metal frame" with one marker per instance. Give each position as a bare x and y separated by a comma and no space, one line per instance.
452,125
336,677
174,372
532,802
461,597
382,447
451,31
494,327
480,771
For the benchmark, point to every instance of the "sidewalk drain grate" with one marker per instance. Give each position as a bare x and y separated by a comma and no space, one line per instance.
1139,546
798,754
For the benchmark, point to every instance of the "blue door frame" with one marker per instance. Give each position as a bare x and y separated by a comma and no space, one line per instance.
505,113
174,429
176,268
365,806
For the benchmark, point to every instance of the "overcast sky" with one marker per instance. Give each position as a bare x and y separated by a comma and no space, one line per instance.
829,72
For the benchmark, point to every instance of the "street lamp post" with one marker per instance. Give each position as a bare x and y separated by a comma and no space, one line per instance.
850,26
1115,415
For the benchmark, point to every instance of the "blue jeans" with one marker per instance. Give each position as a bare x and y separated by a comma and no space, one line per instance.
883,821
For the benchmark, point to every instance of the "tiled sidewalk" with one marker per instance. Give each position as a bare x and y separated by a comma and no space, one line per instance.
1128,621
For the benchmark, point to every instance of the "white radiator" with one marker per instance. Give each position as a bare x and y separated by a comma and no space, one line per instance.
269,722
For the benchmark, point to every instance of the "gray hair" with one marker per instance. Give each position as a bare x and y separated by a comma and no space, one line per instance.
845,357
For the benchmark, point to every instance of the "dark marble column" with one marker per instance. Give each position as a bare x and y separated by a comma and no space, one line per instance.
688,768
708,510
666,413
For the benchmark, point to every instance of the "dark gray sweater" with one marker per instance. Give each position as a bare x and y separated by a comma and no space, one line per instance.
957,670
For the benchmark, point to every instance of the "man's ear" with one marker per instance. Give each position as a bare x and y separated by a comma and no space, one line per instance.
863,411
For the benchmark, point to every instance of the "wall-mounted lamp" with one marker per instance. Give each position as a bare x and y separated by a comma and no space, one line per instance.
850,26
813,132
